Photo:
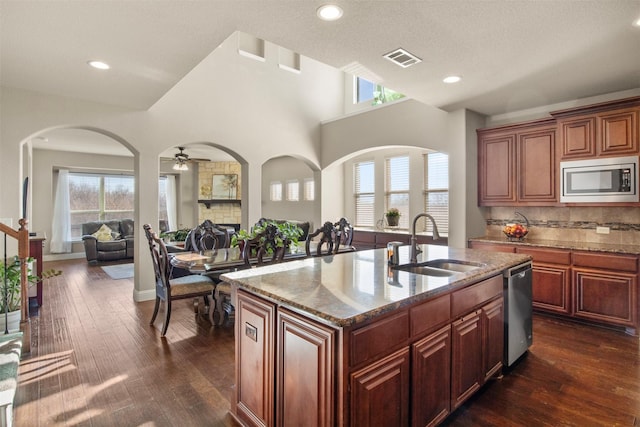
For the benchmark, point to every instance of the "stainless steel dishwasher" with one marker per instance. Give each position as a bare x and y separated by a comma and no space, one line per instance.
518,332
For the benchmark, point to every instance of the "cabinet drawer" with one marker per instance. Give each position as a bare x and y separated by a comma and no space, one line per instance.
364,236
466,299
430,315
493,247
550,256
607,262
378,338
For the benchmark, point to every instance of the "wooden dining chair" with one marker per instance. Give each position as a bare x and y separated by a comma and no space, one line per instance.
168,289
327,242
268,247
344,235
207,236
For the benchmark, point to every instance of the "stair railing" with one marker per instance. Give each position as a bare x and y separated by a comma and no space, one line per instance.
22,236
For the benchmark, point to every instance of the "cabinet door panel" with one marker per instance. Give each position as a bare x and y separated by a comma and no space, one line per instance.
305,386
493,337
380,392
255,352
496,155
431,376
537,166
551,288
577,137
466,358
618,132
606,296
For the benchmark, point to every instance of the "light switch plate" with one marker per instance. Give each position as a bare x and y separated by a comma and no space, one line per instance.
602,230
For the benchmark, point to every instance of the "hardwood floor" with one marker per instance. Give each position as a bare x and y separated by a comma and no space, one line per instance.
95,361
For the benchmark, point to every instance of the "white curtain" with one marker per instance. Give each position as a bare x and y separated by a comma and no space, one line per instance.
61,222
172,208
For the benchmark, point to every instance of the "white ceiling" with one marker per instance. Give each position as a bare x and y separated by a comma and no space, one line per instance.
512,54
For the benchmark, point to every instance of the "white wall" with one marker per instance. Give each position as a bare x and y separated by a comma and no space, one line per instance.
252,110
283,169
43,182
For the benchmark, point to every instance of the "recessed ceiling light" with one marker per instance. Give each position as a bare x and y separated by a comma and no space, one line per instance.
636,23
99,65
329,12
452,79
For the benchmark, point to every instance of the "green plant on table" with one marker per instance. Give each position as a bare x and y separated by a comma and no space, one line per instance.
176,236
286,232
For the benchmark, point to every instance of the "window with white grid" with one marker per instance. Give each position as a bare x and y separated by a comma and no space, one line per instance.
436,192
293,190
275,191
364,192
309,189
396,179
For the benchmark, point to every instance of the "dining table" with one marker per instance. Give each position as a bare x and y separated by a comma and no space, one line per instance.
230,259
222,259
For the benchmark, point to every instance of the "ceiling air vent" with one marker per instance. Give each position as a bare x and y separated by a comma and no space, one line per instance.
402,58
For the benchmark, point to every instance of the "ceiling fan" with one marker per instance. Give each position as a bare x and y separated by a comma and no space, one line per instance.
181,159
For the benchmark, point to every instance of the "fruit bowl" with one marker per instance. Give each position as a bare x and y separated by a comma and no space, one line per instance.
515,231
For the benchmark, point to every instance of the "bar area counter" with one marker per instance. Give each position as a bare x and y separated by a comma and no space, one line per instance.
346,340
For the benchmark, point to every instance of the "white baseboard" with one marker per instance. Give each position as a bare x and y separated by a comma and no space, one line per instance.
147,295
62,257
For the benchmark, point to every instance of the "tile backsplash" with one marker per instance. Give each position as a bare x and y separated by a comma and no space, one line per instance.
571,223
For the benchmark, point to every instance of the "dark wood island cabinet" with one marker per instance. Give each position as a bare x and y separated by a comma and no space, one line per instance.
344,340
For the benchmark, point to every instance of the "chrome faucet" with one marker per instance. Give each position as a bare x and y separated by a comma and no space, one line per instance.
414,240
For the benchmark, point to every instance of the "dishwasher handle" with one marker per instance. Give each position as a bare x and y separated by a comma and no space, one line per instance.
518,270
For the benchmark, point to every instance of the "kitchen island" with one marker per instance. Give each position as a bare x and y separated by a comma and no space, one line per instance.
347,340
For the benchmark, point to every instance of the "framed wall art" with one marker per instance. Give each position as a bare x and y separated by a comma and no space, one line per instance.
224,186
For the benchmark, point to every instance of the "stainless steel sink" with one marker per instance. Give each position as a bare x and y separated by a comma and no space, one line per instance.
439,267
425,270
452,264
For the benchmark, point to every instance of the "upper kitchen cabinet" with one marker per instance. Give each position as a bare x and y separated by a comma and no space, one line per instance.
517,165
607,129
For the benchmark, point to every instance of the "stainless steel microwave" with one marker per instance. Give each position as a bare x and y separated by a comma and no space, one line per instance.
606,180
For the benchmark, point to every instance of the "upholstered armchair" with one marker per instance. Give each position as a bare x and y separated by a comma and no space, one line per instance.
108,240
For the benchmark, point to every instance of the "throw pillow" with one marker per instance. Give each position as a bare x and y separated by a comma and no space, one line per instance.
103,234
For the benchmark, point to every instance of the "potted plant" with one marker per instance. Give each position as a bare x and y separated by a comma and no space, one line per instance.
175,236
10,295
393,216
286,232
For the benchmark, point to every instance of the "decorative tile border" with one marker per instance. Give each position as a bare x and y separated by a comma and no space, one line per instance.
579,225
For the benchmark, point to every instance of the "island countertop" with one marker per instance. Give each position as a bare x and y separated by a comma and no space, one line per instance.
350,288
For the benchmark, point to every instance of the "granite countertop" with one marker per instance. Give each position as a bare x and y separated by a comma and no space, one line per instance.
560,244
347,289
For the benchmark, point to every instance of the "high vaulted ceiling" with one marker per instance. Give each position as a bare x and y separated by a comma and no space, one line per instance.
511,54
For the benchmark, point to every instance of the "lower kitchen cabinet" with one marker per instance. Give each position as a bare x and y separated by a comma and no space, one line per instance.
431,377
305,372
380,392
587,285
255,360
466,358
608,297
492,338
551,279
412,366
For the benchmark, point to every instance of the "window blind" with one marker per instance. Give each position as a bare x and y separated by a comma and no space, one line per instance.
436,193
364,192
397,187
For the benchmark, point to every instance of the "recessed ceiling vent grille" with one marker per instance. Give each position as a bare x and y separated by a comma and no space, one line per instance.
402,58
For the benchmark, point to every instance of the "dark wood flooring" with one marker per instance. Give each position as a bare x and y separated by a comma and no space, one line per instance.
95,361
